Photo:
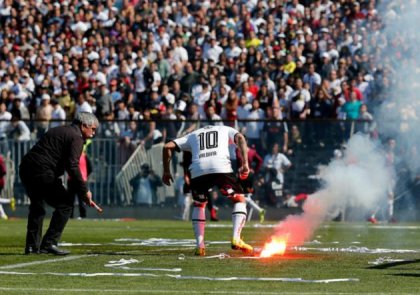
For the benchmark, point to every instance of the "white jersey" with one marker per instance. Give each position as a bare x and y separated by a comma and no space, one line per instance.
209,147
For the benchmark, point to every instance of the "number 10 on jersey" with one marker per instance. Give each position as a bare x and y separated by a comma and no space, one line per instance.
208,140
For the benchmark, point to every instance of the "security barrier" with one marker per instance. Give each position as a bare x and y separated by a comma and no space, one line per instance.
116,165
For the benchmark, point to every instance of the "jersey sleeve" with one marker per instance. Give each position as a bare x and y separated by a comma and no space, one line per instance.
182,143
232,132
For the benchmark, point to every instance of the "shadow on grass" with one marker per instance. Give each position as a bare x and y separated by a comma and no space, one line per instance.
413,275
392,264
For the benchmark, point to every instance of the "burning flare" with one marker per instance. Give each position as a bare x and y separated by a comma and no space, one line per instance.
277,246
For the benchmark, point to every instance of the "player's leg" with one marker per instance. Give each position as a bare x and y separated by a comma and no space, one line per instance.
251,203
3,214
211,207
4,201
248,187
11,202
199,226
199,189
230,187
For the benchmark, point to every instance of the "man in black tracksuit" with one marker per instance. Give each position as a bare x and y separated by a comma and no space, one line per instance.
57,151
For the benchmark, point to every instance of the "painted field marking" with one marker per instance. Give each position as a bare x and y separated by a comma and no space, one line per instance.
181,277
38,262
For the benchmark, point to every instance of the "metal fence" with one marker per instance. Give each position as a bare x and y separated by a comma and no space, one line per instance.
115,165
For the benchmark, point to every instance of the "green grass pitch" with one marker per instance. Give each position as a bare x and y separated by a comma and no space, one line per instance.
166,265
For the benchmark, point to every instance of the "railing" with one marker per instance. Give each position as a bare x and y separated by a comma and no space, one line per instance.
115,166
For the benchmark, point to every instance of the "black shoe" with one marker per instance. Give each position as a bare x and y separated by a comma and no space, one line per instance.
53,249
31,250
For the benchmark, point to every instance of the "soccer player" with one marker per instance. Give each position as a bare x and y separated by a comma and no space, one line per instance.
211,167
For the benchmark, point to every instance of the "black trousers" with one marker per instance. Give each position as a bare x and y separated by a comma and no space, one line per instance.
43,189
82,207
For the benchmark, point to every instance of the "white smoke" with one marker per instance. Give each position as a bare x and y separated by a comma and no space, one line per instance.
360,179
399,115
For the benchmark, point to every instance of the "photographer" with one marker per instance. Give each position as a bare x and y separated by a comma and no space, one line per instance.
145,186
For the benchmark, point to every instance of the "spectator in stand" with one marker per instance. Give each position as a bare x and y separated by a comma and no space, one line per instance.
58,115
253,129
352,108
121,114
322,105
19,109
18,130
110,128
147,128
82,103
129,140
212,118
313,79
66,102
192,116
299,100
5,118
265,97
274,131
43,115
368,126
104,103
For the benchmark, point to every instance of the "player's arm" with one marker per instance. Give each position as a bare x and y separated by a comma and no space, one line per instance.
167,153
243,149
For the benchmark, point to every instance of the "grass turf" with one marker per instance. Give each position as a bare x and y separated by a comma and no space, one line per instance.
312,264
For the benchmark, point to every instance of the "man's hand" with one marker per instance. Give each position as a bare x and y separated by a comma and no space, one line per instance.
167,178
187,179
88,198
244,172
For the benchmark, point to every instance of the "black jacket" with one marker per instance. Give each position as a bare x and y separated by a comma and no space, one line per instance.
57,151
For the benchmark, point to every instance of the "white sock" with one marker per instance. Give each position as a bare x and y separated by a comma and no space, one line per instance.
252,203
187,207
199,224
4,201
2,213
238,219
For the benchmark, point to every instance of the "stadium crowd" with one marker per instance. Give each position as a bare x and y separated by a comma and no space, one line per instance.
134,62
129,60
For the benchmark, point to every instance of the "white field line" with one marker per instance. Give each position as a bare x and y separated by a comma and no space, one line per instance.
181,277
38,262
157,291
354,249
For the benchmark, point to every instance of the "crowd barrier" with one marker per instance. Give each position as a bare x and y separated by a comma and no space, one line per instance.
115,167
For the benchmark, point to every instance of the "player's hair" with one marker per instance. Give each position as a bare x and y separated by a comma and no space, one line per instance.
85,118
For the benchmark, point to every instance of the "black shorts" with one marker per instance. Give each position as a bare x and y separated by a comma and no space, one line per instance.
227,183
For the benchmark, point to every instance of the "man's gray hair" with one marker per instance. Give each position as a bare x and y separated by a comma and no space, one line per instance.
86,118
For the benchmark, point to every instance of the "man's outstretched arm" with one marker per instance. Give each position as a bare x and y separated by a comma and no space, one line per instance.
243,148
167,156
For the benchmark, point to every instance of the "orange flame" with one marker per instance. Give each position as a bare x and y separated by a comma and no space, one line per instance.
277,246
